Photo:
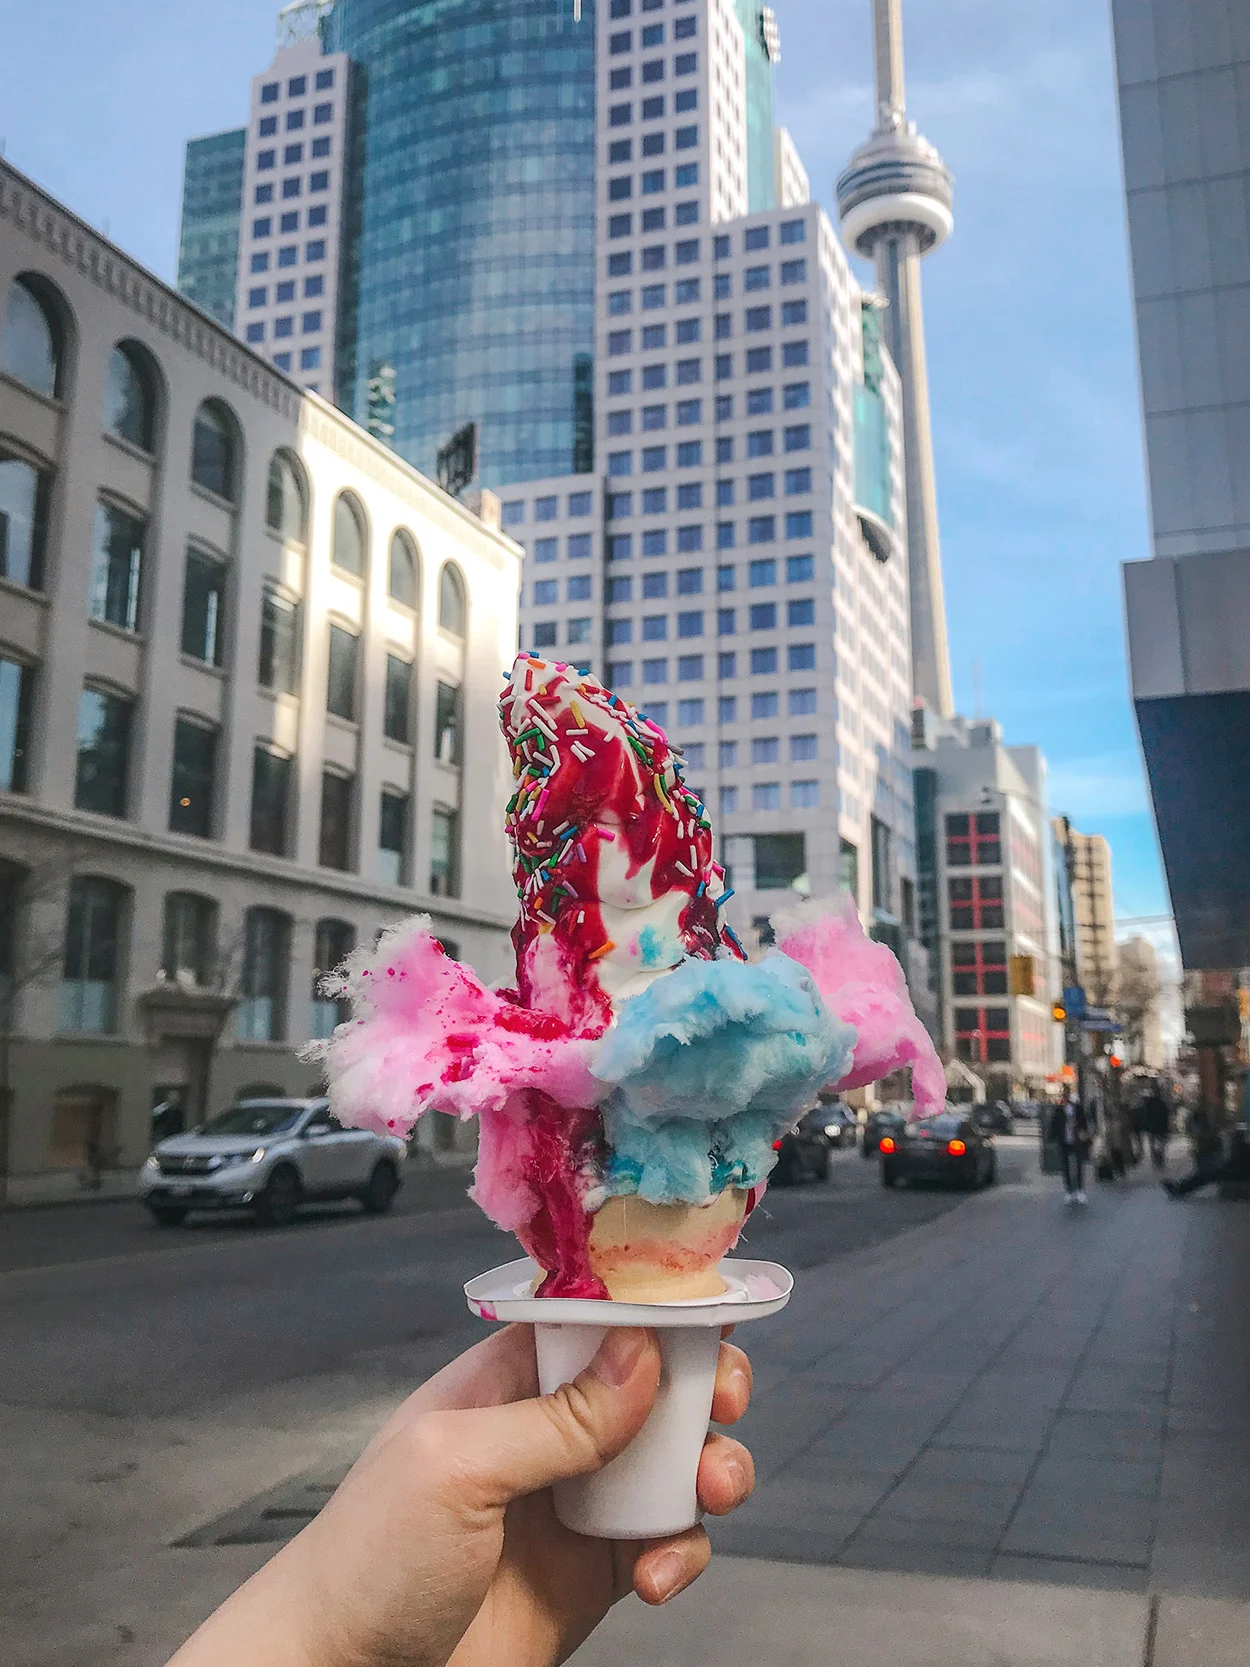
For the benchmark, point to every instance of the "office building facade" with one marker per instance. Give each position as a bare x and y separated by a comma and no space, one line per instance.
988,901
208,243
249,661
1185,121
722,569
1088,859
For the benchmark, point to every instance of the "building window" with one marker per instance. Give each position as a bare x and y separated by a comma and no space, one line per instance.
799,570
189,939
398,698
17,687
261,1013
544,635
333,942
983,1034
976,903
728,800
129,396
213,459
286,508
447,724
763,616
655,671
24,495
451,601
271,793
203,608
348,551
279,643
116,564
578,632
103,741
979,968
763,662
191,786
94,926
341,679
973,840
689,713
393,838
766,795
765,749
31,339
690,668
444,853
334,843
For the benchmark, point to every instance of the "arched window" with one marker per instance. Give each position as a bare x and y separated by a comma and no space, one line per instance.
24,495
130,396
261,1013
91,971
213,449
189,948
286,510
451,600
348,550
32,341
402,580
334,941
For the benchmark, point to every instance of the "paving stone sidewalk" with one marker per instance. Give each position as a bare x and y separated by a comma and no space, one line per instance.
1014,1393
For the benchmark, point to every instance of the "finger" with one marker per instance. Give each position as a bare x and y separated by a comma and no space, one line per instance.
663,1570
733,1385
504,1452
727,1331
726,1475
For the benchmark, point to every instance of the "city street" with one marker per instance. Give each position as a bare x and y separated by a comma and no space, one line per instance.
962,1388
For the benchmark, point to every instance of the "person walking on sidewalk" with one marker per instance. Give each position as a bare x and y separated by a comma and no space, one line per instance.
1155,1121
1070,1131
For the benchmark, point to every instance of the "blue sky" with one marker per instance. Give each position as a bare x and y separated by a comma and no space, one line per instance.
1031,352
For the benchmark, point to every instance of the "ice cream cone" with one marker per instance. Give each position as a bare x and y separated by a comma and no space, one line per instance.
647,1252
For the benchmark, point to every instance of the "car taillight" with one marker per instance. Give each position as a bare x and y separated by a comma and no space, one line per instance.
776,1146
887,1145
956,1148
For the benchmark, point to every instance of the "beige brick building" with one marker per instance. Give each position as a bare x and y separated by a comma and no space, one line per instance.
248,669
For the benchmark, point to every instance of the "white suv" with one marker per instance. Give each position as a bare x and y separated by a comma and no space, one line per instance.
270,1156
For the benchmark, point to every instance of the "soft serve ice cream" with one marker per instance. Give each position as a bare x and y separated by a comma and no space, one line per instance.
629,1088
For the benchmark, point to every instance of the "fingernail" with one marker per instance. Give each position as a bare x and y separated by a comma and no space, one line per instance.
737,1473
618,1355
668,1575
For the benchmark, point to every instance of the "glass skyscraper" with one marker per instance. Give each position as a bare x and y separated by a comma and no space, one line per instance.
469,258
208,248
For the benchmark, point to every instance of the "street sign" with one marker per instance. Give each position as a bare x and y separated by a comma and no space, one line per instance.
1100,1019
1074,1000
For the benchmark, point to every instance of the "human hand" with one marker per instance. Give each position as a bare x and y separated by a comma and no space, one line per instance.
442,1546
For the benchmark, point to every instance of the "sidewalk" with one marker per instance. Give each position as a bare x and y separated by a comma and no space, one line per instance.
1047,1410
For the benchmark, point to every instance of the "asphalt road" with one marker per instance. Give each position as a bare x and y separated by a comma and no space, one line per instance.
103,1312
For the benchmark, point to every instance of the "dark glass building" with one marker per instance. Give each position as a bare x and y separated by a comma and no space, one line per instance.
469,244
208,248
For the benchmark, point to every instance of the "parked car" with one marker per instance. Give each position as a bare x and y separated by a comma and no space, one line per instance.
879,1124
841,1125
270,1156
805,1150
949,1146
994,1115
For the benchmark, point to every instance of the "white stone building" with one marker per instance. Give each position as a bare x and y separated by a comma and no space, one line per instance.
249,662
738,567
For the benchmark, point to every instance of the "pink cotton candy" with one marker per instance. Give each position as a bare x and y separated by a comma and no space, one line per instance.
429,1036
863,984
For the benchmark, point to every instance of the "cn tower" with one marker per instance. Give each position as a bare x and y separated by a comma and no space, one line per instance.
895,203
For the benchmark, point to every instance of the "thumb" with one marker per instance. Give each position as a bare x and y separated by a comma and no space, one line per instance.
527,1445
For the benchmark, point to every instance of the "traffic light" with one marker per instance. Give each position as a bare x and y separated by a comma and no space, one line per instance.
1116,1062
1059,1013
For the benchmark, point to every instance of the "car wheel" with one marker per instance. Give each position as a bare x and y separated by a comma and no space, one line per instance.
785,1174
278,1203
888,1176
167,1215
379,1195
822,1164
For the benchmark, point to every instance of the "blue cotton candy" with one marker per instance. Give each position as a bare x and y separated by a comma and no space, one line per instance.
710,1064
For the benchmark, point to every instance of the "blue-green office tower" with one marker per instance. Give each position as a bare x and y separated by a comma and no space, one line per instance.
469,247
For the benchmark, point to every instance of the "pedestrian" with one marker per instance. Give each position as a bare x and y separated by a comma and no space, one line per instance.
1154,1119
442,1543
1070,1131
1212,1163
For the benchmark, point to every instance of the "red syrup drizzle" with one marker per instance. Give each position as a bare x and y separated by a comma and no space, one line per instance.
589,771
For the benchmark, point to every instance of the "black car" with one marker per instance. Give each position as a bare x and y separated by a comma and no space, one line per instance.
879,1125
950,1147
995,1116
804,1151
841,1125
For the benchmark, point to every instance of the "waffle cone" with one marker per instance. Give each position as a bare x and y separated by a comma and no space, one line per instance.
647,1252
